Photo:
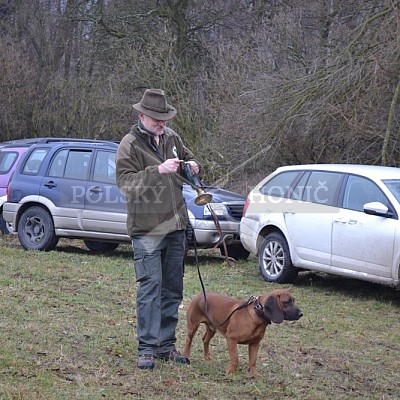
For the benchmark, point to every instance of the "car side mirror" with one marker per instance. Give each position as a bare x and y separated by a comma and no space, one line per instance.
377,208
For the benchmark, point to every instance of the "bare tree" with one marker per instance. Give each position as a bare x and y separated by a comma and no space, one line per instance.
302,98
258,83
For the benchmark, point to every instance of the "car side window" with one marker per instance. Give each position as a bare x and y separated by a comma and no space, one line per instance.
57,166
359,191
322,187
77,164
104,167
298,191
34,161
7,160
278,186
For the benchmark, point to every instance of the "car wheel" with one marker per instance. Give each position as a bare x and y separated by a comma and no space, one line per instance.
100,247
3,226
36,230
235,251
274,260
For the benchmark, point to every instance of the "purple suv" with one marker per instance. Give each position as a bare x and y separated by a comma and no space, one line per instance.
10,153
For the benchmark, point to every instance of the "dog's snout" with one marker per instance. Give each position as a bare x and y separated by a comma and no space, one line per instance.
293,315
298,313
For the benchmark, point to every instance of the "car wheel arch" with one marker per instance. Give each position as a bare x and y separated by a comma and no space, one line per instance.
274,259
27,205
266,231
276,229
36,229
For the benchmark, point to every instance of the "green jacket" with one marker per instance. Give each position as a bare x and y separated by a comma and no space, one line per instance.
155,202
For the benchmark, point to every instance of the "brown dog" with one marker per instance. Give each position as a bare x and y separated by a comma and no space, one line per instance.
245,326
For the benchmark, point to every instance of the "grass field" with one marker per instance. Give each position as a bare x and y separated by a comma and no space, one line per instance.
67,331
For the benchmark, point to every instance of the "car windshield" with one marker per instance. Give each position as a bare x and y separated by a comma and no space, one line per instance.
394,187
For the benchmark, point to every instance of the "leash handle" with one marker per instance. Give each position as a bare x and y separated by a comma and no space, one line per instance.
192,179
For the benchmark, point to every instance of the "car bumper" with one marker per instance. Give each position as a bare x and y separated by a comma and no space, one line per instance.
4,226
10,212
248,235
207,234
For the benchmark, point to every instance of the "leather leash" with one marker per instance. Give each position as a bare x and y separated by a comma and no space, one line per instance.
221,235
258,307
240,306
222,239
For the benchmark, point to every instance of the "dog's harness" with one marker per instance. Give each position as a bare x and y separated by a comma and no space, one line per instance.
259,309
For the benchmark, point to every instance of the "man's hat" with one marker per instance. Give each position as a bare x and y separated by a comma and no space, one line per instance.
154,105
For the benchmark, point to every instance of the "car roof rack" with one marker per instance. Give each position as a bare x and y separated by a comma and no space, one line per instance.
19,142
76,140
51,140
45,140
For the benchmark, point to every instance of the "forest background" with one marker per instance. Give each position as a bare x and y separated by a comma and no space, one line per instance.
257,83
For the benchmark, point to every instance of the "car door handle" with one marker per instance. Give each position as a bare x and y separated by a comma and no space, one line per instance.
346,221
96,189
50,184
341,220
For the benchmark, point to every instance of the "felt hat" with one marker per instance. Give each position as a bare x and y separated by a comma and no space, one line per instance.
154,105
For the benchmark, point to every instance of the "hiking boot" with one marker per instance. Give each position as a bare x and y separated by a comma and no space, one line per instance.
173,355
146,361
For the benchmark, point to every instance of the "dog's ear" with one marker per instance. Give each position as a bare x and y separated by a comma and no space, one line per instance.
272,310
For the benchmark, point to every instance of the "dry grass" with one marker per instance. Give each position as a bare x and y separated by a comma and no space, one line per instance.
67,331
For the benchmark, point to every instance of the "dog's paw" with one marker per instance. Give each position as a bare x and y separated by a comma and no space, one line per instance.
254,373
230,370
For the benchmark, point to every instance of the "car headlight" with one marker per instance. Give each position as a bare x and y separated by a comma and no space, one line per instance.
191,215
218,208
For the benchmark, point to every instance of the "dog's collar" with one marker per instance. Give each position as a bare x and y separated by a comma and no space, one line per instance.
259,309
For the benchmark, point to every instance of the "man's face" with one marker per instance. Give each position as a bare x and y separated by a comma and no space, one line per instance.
155,126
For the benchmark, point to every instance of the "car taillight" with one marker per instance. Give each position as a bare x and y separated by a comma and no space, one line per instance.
8,193
246,204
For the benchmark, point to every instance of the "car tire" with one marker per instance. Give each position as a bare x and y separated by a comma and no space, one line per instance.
100,247
235,251
36,230
3,227
274,260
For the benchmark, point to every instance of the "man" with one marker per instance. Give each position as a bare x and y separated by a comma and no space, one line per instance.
150,172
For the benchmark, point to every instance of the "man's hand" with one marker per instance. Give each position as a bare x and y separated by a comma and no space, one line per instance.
194,168
169,166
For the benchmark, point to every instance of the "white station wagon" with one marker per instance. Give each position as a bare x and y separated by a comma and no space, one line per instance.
332,218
